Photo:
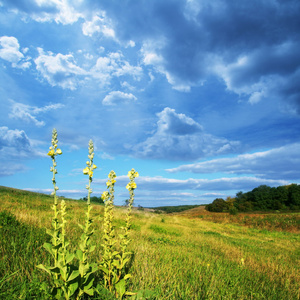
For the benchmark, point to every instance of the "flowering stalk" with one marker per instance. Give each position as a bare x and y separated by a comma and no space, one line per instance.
109,234
62,273
125,256
53,152
87,270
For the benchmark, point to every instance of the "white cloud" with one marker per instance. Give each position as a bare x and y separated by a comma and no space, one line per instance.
28,113
117,97
15,144
180,137
10,52
191,185
59,69
60,11
282,162
99,24
114,65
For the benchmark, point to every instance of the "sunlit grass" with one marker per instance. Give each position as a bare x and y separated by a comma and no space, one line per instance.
175,257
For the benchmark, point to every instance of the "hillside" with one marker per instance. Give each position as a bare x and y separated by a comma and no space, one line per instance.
193,254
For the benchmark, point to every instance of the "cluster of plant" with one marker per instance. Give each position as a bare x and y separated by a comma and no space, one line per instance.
262,198
173,209
72,273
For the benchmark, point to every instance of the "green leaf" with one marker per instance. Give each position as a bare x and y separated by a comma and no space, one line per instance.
63,273
105,270
127,276
89,291
92,248
69,258
117,264
120,288
48,247
73,288
50,232
79,255
89,281
40,266
73,275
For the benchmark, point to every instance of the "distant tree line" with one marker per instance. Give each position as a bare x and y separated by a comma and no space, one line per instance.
93,199
172,209
262,198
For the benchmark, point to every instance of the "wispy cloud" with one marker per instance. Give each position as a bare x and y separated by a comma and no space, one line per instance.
28,113
219,184
282,162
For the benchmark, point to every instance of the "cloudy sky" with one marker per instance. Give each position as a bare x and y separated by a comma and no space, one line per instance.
201,97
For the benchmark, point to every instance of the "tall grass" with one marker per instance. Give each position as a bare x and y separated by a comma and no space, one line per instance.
177,258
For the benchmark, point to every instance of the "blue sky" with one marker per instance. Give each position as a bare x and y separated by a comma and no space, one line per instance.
202,98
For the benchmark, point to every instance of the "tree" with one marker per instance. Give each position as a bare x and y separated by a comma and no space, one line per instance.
218,205
294,196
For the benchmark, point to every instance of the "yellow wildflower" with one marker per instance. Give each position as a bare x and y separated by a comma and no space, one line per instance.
51,152
105,195
58,151
86,171
131,186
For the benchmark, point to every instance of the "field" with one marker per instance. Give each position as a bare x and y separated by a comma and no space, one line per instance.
189,255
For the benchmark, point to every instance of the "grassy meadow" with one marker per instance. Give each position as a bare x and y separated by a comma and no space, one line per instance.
189,255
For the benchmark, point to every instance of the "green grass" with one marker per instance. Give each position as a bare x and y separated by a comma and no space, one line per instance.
175,257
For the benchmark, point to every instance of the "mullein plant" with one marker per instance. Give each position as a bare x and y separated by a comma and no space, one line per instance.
87,270
63,274
109,241
71,281
114,262
125,256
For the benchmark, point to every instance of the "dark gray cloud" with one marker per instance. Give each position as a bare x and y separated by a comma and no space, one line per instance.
200,39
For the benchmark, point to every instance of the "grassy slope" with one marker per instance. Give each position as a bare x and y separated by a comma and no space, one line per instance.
176,257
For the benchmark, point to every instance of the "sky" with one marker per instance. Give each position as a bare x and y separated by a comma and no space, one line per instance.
201,97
